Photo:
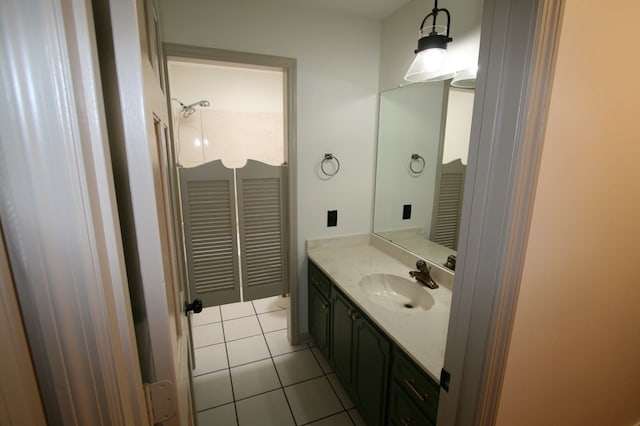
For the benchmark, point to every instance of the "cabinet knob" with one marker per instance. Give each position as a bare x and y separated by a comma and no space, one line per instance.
325,306
354,316
409,384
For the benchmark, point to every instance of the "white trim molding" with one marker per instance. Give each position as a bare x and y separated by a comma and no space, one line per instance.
517,55
289,66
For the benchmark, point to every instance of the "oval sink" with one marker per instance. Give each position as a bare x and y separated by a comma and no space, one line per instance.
394,292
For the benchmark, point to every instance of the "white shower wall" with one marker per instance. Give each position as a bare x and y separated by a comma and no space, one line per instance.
458,125
243,121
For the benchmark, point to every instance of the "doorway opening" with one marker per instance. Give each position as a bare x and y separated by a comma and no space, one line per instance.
229,134
233,126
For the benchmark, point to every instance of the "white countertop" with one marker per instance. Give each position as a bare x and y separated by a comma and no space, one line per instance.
421,333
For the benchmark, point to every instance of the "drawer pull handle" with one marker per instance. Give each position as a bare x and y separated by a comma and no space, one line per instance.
406,421
409,384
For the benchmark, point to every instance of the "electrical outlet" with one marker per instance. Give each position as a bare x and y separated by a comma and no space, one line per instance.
332,218
406,211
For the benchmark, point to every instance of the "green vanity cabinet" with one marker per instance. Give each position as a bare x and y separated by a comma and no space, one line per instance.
360,356
413,396
319,308
385,385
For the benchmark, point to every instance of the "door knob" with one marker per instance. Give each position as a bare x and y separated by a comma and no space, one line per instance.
195,306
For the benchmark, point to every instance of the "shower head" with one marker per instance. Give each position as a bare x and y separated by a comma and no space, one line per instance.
202,103
187,110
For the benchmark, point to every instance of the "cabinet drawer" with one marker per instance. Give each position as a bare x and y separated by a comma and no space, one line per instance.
421,389
403,411
319,279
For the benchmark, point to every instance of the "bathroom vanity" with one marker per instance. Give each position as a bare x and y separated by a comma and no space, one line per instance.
383,333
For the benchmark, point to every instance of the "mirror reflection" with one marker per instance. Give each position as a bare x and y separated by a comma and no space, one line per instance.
423,143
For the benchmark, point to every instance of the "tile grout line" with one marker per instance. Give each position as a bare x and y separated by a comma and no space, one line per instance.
240,338
306,346
275,368
326,374
350,417
228,369
327,417
270,357
323,374
345,409
206,323
226,351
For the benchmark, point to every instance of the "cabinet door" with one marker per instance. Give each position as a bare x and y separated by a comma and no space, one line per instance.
319,319
341,334
370,369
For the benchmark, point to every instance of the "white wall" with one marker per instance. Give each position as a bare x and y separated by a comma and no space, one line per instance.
244,119
574,357
400,37
338,59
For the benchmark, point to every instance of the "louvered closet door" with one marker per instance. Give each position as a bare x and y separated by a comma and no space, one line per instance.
208,209
261,215
448,208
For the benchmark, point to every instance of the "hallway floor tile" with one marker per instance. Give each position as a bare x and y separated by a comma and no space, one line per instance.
247,373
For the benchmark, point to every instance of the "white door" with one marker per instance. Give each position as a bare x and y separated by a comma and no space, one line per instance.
19,392
137,116
60,223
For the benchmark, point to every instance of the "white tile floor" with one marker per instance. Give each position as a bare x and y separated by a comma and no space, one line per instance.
248,374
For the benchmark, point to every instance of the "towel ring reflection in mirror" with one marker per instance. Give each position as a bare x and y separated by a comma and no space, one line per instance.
417,163
328,158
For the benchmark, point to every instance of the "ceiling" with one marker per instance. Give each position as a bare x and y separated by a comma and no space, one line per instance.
373,9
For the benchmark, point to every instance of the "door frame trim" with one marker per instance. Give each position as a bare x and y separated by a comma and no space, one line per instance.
289,65
518,49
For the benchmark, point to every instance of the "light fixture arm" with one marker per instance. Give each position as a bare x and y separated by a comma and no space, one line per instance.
434,14
430,63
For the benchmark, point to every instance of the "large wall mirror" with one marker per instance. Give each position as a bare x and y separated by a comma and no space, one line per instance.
423,142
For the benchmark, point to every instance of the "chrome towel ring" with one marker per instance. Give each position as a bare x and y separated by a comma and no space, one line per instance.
416,164
327,159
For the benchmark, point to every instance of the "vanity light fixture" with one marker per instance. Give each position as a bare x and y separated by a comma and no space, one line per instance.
430,63
465,79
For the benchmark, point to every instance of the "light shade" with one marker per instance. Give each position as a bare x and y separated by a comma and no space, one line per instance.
430,65
465,79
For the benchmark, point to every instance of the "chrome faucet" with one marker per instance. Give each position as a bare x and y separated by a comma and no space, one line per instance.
422,275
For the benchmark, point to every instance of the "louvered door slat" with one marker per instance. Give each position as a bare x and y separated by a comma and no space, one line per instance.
449,205
208,204
261,214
